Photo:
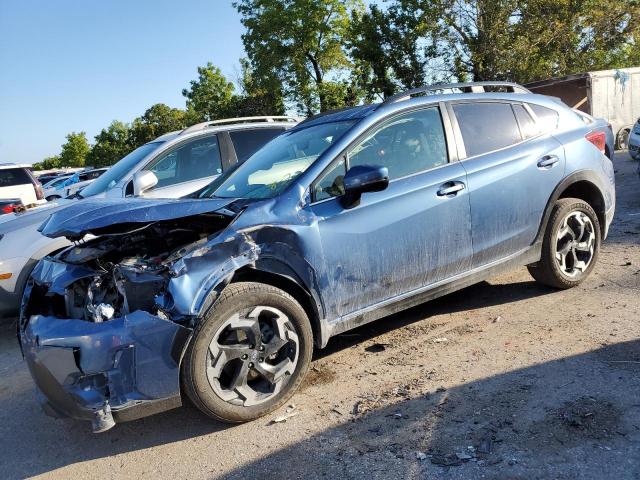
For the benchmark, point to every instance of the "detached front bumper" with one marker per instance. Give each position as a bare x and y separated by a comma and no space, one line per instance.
118,370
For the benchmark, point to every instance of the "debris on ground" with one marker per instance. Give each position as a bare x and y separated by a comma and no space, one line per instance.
376,348
366,404
421,456
289,412
440,340
448,460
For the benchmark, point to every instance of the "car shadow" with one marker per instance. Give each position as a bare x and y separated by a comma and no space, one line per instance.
481,295
575,417
41,436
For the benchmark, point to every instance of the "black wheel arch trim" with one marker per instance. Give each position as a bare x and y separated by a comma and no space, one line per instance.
578,176
274,271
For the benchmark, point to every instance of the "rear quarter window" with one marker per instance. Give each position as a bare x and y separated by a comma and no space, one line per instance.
528,126
547,117
486,126
248,142
10,177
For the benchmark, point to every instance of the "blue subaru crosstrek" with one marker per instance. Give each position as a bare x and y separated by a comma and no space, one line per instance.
348,217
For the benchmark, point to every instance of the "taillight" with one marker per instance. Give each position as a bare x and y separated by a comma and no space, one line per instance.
599,139
9,208
39,191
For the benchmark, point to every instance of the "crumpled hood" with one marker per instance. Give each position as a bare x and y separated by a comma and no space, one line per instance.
88,216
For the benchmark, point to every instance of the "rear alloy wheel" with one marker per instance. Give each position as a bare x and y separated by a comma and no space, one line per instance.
249,355
570,246
575,244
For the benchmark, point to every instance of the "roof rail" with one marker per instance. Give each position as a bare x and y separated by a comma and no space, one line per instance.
230,121
466,87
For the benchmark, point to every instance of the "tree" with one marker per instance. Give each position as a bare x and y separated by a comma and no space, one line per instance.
157,120
49,163
259,95
300,43
210,96
112,143
389,49
74,151
523,40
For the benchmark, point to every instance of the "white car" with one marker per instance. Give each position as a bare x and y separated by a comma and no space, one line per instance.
80,180
17,182
53,189
171,166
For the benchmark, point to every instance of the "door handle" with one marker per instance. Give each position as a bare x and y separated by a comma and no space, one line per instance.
548,161
450,189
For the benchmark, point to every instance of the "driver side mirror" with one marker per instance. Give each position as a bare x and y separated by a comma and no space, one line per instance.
361,179
143,181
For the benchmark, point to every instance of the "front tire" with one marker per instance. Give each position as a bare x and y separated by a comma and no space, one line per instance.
570,246
249,354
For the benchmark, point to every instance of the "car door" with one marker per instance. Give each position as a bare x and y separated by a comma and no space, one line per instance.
513,164
414,233
185,168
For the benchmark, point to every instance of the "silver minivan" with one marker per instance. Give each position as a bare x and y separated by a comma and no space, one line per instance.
171,166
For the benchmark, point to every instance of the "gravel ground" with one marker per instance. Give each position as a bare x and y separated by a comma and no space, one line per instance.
505,379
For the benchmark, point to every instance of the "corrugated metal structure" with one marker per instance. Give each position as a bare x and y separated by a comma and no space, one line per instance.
610,94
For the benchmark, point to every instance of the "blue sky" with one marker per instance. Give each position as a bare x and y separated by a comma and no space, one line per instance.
76,65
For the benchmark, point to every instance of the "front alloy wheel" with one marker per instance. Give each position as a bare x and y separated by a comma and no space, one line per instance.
252,355
249,354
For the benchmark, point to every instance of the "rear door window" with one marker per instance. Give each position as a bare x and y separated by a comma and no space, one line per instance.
191,161
486,126
10,177
249,141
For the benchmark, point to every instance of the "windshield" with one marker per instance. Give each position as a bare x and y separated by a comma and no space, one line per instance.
272,168
112,176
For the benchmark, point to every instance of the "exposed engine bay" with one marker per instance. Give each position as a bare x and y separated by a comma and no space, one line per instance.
127,270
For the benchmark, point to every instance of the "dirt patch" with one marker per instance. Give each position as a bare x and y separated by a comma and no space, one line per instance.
318,375
586,418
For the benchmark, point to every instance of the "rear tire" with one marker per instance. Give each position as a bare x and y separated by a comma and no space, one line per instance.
570,246
249,354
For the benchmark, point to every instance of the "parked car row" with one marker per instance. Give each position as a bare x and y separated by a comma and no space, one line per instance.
19,185
288,233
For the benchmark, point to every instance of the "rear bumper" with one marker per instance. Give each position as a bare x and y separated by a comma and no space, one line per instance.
118,370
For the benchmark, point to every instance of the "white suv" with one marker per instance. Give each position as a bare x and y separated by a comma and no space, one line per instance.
17,182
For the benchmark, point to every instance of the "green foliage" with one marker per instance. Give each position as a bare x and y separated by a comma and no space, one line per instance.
301,44
157,120
523,40
74,151
112,143
317,55
49,163
260,95
210,96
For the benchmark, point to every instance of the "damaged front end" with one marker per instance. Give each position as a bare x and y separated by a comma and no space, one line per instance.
99,328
